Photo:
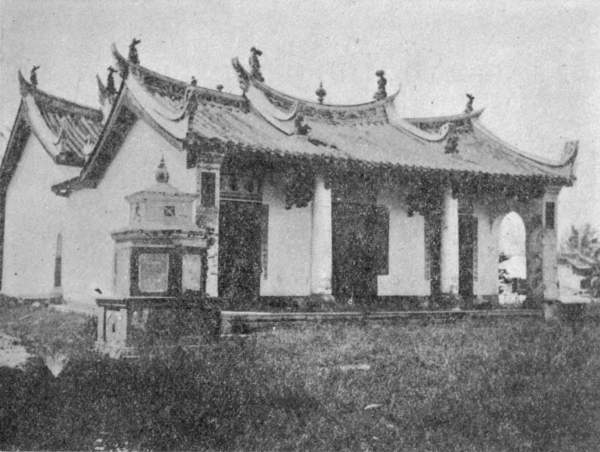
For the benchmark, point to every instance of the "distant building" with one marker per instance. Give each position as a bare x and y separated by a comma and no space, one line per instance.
303,199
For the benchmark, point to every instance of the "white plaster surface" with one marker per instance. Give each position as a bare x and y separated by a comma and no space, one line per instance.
321,244
34,217
406,251
289,245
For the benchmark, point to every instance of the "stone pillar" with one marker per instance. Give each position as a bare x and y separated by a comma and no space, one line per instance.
542,267
549,253
534,248
449,244
321,241
208,169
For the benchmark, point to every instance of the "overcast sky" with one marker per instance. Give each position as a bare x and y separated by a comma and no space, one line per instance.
534,66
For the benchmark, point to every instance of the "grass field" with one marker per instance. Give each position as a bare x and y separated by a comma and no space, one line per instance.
468,386
510,386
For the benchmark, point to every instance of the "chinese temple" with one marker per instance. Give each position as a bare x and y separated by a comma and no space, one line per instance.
303,200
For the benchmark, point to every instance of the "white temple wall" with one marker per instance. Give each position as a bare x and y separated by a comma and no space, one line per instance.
33,221
88,256
486,282
289,244
406,265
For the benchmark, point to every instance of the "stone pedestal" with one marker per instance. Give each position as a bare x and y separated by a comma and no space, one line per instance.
159,256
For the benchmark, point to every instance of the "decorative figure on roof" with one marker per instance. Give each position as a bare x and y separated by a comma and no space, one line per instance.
321,93
220,88
301,129
162,175
381,82
470,99
243,77
110,81
255,64
133,53
194,82
33,76
451,146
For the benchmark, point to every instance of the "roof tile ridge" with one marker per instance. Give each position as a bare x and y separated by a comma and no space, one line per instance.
309,103
447,118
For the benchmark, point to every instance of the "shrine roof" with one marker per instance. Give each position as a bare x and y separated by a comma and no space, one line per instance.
265,120
372,132
67,130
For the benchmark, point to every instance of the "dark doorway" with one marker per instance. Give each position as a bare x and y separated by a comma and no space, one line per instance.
239,250
360,250
467,239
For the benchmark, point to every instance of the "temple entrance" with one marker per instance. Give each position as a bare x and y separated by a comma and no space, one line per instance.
467,252
512,262
359,250
239,250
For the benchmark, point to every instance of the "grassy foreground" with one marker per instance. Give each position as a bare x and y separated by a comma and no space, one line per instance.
523,385
45,331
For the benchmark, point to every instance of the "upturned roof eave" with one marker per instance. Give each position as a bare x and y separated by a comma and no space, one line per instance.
7,167
546,165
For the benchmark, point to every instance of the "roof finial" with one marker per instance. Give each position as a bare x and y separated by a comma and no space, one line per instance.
162,175
33,76
321,93
133,53
470,99
110,81
255,64
381,82
220,88
193,81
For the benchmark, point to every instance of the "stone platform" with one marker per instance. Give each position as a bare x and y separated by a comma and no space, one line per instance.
240,322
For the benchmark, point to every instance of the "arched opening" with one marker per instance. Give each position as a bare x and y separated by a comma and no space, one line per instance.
512,261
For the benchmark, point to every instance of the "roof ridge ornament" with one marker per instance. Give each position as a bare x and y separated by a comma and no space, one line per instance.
110,81
193,81
254,63
243,78
321,93
33,76
381,93
133,56
469,106
162,174
301,129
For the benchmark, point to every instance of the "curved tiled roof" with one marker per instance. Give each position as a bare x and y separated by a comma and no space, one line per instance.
172,91
74,128
266,120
